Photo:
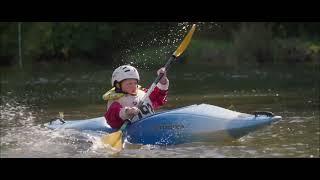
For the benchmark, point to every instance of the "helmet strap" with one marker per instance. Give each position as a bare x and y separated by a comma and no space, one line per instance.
118,88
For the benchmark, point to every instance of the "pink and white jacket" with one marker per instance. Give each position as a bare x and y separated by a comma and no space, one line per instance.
115,114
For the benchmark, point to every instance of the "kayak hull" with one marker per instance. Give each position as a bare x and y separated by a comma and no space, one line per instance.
183,125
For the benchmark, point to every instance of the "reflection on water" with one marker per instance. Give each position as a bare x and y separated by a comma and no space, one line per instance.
26,105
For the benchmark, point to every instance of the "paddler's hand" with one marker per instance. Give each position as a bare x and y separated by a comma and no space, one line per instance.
132,111
164,78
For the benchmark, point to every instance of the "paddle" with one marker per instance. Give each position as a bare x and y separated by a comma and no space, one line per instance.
115,139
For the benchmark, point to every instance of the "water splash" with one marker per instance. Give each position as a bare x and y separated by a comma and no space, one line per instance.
22,136
156,47
14,113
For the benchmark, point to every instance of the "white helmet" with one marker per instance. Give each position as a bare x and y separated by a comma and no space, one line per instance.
124,72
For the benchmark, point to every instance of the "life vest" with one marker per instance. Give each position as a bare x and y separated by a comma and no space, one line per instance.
113,95
145,110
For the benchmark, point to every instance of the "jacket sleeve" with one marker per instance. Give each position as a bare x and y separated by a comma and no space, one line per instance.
159,95
112,115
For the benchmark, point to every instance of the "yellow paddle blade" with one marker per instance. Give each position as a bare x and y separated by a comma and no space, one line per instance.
112,139
61,115
185,42
118,145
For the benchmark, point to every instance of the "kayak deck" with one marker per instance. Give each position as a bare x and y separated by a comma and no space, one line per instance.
182,125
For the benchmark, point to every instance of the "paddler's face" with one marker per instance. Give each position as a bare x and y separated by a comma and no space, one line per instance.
129,86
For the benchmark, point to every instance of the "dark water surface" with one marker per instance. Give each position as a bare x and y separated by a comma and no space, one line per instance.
29,100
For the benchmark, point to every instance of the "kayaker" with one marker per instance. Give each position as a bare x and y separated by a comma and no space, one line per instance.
123,98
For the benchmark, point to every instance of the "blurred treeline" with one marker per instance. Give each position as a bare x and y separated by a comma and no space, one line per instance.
224,43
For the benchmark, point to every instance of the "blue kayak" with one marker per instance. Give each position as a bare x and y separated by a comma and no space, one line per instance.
194,123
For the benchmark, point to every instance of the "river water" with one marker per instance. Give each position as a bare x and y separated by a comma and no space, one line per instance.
30,100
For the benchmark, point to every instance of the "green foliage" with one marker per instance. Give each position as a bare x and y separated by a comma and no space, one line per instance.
202,51
62,40
153,57
253,43
222,43
8,42
295,50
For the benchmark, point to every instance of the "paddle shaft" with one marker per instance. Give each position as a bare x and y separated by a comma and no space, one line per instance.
115,139
154,84
156,81
175,55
